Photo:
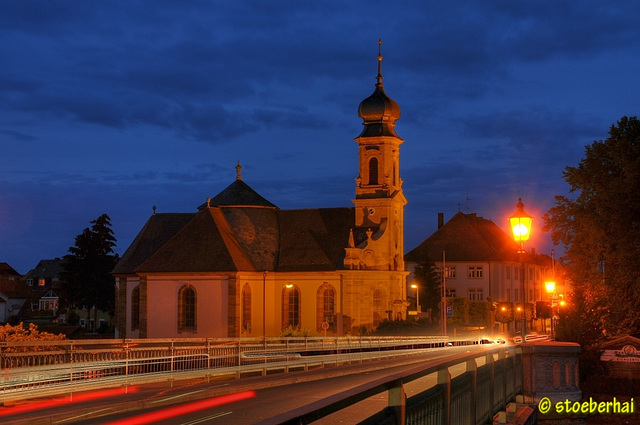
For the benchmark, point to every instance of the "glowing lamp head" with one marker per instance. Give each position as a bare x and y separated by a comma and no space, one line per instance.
521,223
414,286
550,287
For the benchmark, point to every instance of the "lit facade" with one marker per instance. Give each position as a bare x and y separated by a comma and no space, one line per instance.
240,266
481,262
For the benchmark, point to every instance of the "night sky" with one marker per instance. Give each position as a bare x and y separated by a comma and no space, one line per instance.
114,107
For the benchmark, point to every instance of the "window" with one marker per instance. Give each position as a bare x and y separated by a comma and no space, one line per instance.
474,272
135,308
451,293
326,307
508,274
475,294
30,281
508,294
515,273
186,309
41,281
294,307
48,305
516,296
450,272
246,307
373,171
290,306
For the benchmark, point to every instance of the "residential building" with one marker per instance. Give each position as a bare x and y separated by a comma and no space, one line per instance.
481,263
13,293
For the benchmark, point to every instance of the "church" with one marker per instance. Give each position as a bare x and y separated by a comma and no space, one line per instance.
239,266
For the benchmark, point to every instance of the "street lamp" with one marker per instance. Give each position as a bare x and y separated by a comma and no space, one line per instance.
521,228
415,286
551,290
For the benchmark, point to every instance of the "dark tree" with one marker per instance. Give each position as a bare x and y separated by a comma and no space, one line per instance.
428,281
87,269
600,232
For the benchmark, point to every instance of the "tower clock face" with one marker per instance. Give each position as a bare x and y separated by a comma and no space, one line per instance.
371,211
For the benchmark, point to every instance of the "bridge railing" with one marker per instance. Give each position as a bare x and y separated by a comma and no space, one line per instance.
36,368
489,381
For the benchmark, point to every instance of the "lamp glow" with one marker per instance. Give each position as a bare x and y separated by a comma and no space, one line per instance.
521,223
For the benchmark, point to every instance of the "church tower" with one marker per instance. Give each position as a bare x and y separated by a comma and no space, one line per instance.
377,242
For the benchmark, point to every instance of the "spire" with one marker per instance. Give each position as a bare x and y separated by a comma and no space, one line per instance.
379,77
238,171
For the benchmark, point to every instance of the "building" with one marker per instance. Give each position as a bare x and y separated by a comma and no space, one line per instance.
481,263
241,266
13,293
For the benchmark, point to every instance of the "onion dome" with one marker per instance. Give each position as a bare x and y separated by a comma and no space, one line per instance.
379,112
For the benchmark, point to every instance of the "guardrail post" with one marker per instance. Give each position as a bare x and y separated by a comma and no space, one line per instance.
472,368
444,380
398,402
492,379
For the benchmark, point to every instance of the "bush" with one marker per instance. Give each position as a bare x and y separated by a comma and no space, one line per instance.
290,331
9,333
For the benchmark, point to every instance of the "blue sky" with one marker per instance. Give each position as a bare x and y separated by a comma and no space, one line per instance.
114,107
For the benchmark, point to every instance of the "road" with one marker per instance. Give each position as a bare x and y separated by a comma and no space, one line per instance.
242,401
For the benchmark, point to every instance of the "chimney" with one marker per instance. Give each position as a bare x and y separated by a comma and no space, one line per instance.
440,220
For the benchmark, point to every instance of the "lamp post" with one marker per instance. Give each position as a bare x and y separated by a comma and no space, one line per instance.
551,290
521,228
415,286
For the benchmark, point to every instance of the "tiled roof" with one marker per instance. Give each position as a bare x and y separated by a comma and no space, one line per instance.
155,233
314,239
236,194
7,271
466,237
47,269
239,230
14,289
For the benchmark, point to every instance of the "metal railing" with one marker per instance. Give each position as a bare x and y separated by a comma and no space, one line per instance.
490,380
38,368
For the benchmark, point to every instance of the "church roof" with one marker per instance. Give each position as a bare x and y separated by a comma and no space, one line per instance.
156,232
378,111
239,193
466,237
239,230
250,239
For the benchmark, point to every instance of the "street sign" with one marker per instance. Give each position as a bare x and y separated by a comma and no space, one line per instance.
449,311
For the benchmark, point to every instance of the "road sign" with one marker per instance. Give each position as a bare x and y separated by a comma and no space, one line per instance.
325,325
449,311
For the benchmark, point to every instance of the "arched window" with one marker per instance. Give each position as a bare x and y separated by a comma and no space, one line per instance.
135,308
290,306
246,307
187,309
326,307
373,171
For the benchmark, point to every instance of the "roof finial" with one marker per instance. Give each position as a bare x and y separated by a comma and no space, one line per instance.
379,77
238,171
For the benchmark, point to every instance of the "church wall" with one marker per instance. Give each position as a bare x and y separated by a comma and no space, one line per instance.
211,306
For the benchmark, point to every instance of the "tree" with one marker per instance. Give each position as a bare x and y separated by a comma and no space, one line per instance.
87,269
600,231
428,281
